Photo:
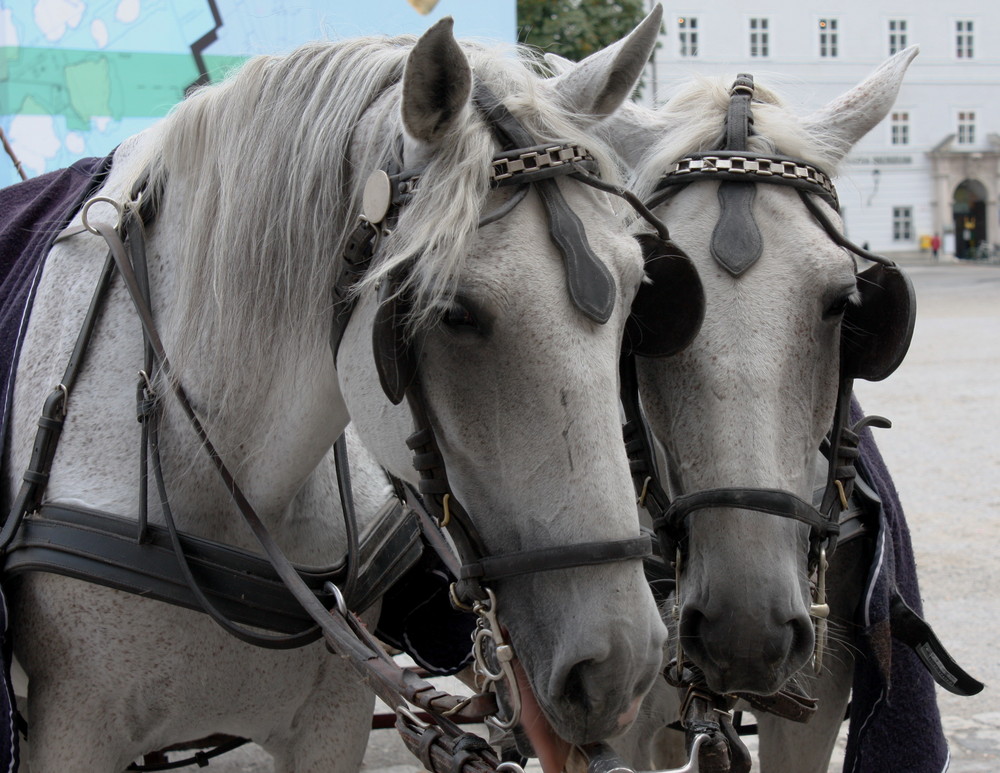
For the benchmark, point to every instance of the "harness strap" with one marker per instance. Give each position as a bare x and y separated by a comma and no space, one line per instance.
739,118
552,559
101,548
736,240
761,500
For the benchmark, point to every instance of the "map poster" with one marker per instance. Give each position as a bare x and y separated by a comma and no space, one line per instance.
79,76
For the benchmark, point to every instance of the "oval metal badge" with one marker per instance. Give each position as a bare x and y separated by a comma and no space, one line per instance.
377,197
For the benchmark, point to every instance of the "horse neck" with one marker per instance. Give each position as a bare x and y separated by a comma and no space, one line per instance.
272,419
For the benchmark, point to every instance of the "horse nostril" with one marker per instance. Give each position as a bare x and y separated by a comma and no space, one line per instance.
801,627
575,684
690,628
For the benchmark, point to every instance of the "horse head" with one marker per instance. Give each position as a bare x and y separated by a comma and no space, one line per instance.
496,312
742,411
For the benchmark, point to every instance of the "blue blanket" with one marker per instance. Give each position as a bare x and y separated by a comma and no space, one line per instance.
31,215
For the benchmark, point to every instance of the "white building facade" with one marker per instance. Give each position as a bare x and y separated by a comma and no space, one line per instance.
933,165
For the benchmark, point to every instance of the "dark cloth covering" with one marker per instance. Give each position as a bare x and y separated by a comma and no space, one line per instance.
895,723
32,213
418,618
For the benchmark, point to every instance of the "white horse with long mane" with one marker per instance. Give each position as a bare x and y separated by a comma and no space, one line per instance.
260,183
749,403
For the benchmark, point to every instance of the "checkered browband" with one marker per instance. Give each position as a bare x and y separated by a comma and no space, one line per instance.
751,167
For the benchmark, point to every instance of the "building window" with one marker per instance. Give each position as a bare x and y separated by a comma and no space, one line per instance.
687,36
897,35
963,39
900,126
966,127
828,38
902,224
758,38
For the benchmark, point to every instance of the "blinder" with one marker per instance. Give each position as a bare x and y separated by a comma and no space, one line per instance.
395,356
875,335
667,312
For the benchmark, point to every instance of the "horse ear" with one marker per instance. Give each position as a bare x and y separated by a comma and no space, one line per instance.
559,65
436,84
853,114
601,82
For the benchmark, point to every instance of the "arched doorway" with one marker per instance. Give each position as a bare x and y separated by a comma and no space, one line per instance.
969,211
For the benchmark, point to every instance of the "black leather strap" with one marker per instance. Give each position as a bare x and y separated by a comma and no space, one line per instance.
761,500
739,118
102,548
551,559
590,283
736,241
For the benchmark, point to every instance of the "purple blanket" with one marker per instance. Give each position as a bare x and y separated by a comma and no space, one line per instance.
32,213
895,722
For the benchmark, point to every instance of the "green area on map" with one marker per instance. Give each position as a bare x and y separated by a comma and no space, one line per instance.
80,85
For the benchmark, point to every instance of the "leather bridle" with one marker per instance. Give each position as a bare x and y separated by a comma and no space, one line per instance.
736,245
738,170
591,289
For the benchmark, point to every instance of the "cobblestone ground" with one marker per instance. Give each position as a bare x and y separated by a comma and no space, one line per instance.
944,454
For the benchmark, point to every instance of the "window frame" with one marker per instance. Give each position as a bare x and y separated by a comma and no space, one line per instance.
898,36
899,128
902,223
829,38
759,38
687,37
965,39
965,127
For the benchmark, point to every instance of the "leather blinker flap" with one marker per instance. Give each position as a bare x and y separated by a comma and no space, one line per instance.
395,358
591,285
736,240
876,334
668,310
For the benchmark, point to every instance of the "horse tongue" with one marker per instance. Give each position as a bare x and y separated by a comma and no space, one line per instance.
552,750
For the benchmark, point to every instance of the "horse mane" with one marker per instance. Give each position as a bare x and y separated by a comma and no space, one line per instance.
264,173
694,120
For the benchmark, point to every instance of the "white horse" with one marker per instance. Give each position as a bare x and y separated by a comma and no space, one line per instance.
748,404
260,181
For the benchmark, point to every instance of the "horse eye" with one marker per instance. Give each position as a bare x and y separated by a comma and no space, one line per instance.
838,307
459,316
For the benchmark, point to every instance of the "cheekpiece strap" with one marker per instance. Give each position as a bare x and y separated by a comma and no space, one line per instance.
739,120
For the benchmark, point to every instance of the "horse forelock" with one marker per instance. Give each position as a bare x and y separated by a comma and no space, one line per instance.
694,120
265,172
262,177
